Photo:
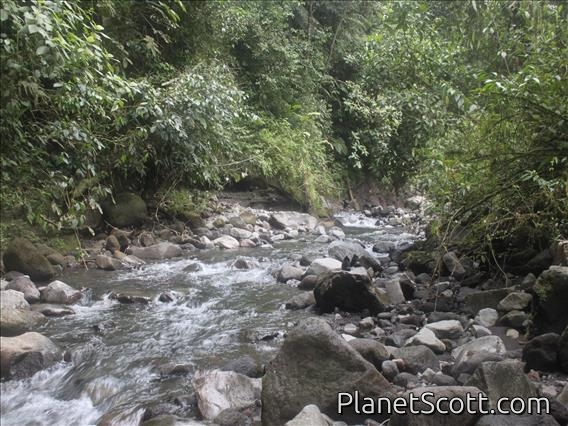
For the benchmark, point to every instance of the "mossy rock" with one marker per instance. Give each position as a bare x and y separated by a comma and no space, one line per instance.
551,288
129,210
419,261
22,256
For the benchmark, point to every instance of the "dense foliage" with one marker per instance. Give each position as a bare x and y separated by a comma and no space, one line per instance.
464,99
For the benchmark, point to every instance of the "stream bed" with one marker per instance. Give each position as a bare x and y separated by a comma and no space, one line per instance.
123,355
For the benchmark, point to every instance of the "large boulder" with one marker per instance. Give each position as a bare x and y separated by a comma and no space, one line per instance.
294,220
446,329
346,291
552,290
372,350
21,255
26,286
443,394
312,367
226,242
478,300
340,250
504,379
24,355
541,352
158,251
15,314
323,265
129,209
218,390
290,272
470,355
59,292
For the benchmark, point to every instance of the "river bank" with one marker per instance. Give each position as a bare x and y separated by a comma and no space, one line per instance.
252,308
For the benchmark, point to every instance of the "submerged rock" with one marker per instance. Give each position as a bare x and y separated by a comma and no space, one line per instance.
158,251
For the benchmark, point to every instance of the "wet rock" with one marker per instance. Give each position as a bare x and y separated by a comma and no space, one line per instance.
312,416
104,327
419,261
504,379
346,291
22,256
243,263
487,317
417,359
474,302
515,319
515,301
437,418
400,337
323,265
128,260
240,234
52,310
59,292
147,239
158,251
384,247
112,244
443,380
25,286
301,301
289,272
308,282
541,353
107,263
552,290
290,382
128,210
453,265
15,314
193,267
480,331
293,220
367,323
167,297
447,329
24,355
372,350
426,337
129,298
470,355
244,365
218,390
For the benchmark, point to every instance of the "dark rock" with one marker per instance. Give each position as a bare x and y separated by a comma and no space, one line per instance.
22,256
453,265
346,291
541,353
516,420
420,261
107,263
552,290
128,210
26,286
563,351
52,310
384,247
389,369
232,417
484,299
443,380
104,327
405,380
514,319
129,298
313,365
244,365
112,243
417,358
341,250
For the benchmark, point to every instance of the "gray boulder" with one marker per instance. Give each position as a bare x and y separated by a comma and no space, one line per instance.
340,250
446,329
417,359
517,420
22,256
158,251
24,355
474,302
453,265
15,314
552,290
26,286
226,242
289,272
294,220
515,301
129,209
310,416
323,265
107,263
437,418
313,365
59,292
426,337
541,352
504,379
470,355
350,292
218,390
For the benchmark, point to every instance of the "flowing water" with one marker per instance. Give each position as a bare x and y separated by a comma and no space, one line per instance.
217,314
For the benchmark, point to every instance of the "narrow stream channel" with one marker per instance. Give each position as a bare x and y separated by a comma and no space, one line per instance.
217,314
